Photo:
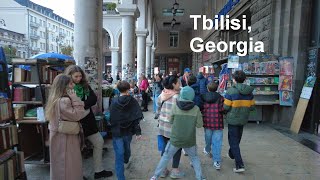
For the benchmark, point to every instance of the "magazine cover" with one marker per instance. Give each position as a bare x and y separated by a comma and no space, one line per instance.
246,68
286,98
285,83
286,66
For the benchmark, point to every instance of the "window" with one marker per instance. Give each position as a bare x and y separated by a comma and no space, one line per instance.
35,19
174,39
51,47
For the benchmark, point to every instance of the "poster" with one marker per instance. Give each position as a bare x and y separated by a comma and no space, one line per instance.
286,66
286,98
90,68
233,61
285,83
308,87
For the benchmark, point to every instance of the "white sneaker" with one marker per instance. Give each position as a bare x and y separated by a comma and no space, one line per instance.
217,165
238,169
205,152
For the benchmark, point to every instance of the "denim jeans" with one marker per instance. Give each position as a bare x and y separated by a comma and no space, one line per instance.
234,138
121,146
171,150
214,139
155,100
177,155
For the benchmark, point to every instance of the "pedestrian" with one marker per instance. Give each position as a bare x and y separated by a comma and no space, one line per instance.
213,123
109,78
118,77
238,103
65,149
195,86
166,100
144,85
203,82
125,117
89,124
184,119
185,77
157,89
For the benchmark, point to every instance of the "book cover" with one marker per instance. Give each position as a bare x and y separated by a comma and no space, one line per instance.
286,66
246,68
286,98
263,67
285,83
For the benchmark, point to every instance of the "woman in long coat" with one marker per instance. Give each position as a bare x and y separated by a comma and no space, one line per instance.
65,150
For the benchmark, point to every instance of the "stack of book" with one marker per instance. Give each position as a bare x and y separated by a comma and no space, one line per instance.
5,109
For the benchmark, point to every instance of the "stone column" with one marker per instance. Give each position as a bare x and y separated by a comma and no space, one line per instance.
148,58
114,62
88,42
129,12
141,54
152,60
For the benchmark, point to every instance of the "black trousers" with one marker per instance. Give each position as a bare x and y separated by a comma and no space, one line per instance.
234,137
144,100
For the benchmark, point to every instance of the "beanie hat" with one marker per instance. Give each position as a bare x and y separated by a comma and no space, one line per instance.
187,93
192,80
187,70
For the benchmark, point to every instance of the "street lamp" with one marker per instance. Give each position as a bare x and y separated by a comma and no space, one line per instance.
2,23
175,5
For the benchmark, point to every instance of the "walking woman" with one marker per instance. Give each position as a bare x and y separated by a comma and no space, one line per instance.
157,89
91,132
144,85
166,101
65,152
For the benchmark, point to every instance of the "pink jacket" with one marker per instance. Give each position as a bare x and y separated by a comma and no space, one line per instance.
144,85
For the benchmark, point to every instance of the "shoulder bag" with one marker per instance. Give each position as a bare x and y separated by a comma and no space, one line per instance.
67,127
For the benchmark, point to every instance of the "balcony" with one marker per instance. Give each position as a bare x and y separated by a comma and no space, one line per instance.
62,34
35,49
34,36
110,12
34,24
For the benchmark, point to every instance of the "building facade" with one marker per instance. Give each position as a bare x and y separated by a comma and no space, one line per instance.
12,39
44,30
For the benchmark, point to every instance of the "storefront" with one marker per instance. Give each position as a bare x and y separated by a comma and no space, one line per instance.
269,23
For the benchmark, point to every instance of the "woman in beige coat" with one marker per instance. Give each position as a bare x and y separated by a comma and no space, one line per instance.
65,152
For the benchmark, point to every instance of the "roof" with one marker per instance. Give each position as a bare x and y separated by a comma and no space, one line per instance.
45,11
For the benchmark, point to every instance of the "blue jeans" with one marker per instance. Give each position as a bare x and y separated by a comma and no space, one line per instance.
234,137
155,100
214,139
121,146
171,150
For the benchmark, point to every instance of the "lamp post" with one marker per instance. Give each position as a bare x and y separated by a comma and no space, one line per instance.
2,23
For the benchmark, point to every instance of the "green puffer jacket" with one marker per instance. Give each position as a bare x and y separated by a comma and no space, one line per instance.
185,118
238,103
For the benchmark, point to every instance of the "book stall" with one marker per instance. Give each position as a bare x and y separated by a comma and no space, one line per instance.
272,79
11,155
32,79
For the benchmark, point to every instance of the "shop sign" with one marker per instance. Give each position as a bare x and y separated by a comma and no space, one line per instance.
308,87
233,61
228,7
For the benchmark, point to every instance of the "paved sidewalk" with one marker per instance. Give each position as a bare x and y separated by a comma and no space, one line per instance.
267,154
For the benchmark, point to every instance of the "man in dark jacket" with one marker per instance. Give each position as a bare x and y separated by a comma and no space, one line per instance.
238,103
125,116
203,82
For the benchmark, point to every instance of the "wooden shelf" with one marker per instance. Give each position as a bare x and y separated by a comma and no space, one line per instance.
266,103
262,74
28,102
264,84
30,121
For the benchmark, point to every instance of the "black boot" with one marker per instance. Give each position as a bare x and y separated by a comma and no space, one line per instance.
103,174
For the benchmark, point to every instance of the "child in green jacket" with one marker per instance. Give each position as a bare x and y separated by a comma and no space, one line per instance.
186,116
238,103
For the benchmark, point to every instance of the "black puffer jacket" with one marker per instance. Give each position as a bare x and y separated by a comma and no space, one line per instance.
88,123
125,116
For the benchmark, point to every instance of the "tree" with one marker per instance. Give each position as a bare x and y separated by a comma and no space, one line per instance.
10,52
68,50
111,6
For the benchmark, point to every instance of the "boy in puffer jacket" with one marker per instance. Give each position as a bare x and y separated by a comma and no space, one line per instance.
238,103
185,117
213,123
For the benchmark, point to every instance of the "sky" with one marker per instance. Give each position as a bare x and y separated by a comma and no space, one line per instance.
64,8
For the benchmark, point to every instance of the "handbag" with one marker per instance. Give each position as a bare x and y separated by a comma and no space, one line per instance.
68,127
